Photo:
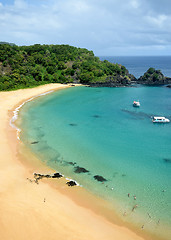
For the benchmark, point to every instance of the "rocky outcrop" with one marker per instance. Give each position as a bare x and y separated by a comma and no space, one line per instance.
78,169
115,81
39,176
71,183
99,178
153,77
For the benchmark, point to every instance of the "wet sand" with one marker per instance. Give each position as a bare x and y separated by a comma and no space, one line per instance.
45,210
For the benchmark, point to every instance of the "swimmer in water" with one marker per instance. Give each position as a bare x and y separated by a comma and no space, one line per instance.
134,207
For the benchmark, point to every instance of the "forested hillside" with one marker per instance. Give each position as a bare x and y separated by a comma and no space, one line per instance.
28,66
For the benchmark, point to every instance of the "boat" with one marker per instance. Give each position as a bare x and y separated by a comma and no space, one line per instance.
160,120
136,103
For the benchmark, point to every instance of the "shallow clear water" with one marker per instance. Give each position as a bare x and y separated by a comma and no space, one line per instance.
99,129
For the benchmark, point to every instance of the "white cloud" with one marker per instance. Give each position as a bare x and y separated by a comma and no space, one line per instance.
78,6
135,3
100,25
158,21
20,4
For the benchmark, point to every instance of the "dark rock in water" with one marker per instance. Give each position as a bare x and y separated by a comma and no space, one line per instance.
99,178
167,160
80,170
57,175
73,124
169,86
71,183
34,142
96,116
71,163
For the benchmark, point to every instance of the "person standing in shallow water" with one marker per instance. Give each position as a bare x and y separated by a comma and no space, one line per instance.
134,207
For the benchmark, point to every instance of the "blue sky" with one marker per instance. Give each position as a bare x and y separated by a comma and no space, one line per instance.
107,27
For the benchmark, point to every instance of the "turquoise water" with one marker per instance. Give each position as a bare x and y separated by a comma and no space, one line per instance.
99,129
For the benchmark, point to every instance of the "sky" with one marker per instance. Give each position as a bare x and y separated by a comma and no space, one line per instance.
107,27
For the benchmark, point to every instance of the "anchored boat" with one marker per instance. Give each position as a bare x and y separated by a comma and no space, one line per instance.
136,104
160,120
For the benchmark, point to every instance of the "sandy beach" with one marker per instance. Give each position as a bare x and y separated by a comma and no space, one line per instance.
41,211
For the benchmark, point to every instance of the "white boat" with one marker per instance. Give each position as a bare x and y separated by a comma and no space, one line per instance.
160,120
136,104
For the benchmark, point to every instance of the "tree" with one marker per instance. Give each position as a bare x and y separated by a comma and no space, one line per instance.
151,70
86,77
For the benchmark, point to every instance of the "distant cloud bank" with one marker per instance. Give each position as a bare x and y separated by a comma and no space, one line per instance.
108,27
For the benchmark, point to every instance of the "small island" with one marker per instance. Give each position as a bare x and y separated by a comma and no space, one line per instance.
153,77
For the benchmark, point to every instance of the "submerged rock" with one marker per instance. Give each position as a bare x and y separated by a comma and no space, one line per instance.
80,170
96,116
167,160
73,124
71,163
99,178
34,142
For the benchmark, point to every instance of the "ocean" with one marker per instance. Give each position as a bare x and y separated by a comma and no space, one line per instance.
96,137
138,65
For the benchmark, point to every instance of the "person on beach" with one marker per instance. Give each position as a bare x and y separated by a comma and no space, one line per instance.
124,214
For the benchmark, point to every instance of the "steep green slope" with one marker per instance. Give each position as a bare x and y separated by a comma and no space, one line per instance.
28,66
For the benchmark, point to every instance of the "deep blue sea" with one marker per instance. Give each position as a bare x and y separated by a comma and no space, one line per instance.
139,65
99,130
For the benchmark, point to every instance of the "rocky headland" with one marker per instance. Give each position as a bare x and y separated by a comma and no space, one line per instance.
30,66
153,77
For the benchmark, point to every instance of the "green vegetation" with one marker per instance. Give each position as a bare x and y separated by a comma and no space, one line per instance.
28,66
152,77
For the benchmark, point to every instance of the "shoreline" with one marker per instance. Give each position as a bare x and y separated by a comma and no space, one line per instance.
24,206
